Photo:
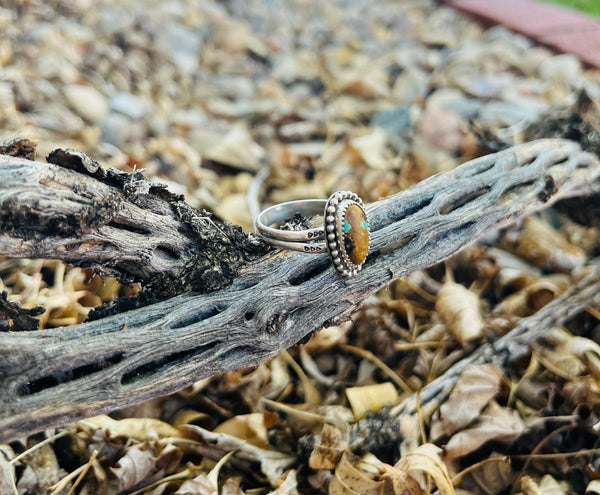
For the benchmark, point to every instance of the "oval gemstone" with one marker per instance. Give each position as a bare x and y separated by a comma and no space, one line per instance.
356,234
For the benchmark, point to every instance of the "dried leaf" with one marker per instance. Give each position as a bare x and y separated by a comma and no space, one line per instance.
234,208
141,429
581,347
289,485
327,338
213,475
458,308
231,486
477,385
347,480
250,427
398,482
410,431
168,458
364,78
312,369
425,460
200,485
494,477
547,486
583,390
237,149
43,470
545,247
371,397
339,416
273,463
496,423
299,414
533,296
191,416
77,475
7,471
280,377
135,466
204,484
593,488
593,363
371,148
566,355
311,394
328,449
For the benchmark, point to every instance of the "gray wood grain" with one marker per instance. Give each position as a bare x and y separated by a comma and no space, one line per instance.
64,214
56,376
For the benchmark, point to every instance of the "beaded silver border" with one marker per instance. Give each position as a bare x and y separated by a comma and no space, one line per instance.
335,211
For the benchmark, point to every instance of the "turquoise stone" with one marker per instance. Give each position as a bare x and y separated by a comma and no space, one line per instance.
356,234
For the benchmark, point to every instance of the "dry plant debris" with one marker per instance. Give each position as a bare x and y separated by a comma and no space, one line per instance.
239,104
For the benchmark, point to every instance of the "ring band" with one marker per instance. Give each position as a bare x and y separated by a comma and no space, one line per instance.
345,230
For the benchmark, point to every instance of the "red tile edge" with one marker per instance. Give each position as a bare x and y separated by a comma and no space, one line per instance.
564,29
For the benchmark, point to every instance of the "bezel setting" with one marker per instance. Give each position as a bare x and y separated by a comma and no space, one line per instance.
335,213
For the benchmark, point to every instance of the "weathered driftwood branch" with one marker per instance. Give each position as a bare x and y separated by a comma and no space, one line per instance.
117,223
60,375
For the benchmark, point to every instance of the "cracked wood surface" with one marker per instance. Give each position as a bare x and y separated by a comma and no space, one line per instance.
79,219
60,375
117,223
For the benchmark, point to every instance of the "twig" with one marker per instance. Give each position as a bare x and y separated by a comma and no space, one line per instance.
37,446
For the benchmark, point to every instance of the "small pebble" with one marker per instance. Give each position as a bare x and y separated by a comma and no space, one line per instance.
395,120
115,129
441,129
86,101
564,68
411,85
454,101
129,105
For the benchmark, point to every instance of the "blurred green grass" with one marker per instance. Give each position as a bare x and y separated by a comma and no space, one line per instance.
589,6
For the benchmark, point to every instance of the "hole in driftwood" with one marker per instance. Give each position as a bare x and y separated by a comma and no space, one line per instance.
50,381
275,322
398,244
515,190
457,232
196,317
528,162
309,274
136,229
561,161
148,369
464,200
249,315
168,252
238,354
411,210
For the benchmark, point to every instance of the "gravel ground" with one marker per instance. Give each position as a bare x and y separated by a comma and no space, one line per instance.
333,96
286,99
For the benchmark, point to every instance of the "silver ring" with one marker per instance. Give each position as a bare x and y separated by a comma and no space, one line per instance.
345,229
